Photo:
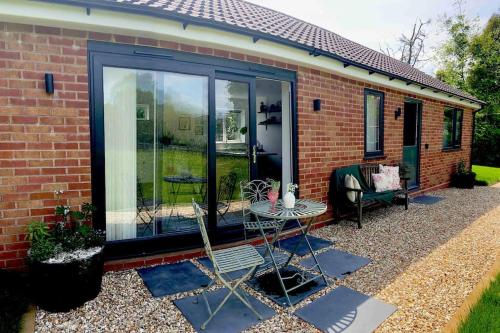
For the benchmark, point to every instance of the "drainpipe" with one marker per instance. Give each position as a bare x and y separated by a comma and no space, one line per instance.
473,141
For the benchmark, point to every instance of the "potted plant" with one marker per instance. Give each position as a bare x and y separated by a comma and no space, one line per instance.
66,262
463,178
273,193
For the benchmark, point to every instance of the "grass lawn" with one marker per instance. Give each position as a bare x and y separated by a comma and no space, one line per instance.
486,175
13,301
485,315
182,162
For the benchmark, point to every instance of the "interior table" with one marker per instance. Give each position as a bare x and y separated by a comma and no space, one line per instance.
306,210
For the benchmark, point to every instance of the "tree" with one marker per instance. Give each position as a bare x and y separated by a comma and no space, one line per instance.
483,81
411,48
454,56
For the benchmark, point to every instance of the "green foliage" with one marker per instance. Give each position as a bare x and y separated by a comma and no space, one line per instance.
65,236
471,62
37,231
461,169
485,315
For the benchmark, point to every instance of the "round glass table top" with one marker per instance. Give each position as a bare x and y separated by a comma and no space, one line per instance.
304,208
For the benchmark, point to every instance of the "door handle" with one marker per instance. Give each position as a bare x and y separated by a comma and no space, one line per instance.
254,154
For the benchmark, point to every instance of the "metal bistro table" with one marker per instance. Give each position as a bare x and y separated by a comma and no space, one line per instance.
176,182
304,209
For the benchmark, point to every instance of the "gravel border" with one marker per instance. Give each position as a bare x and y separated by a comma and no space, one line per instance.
425,261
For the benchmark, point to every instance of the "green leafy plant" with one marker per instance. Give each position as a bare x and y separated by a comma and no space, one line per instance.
461,167
73,231
275,184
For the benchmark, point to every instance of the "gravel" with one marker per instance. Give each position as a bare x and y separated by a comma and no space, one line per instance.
425,261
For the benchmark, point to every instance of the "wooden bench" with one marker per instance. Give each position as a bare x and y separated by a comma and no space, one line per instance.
338,191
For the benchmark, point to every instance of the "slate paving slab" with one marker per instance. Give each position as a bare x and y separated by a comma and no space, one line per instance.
426,199
337,264
170,279
233,317
316,244
347,311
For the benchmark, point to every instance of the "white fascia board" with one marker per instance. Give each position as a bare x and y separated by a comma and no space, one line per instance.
73,17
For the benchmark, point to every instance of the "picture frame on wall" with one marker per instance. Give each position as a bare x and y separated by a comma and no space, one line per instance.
184,123
142,111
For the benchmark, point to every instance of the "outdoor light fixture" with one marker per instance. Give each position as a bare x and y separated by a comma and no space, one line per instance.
397,113
317,105
49,83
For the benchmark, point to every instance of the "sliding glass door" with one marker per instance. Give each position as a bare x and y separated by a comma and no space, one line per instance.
165,132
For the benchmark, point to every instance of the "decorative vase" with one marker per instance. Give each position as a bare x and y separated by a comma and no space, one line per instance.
273,197
289,200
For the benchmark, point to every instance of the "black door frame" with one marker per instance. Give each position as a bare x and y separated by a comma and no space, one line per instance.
102,54
418,103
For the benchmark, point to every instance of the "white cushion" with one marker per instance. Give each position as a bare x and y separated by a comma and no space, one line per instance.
381,181
351,182
393,173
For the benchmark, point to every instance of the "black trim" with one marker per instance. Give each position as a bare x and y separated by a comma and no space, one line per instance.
150,11
380,152
142,57
456,143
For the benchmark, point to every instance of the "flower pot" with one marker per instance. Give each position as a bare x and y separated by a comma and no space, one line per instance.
289,200
463,180
60,287
273,197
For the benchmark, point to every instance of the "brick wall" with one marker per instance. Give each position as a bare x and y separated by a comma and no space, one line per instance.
44,139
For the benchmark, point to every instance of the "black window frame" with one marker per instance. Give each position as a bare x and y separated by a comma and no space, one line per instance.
380,152
456,140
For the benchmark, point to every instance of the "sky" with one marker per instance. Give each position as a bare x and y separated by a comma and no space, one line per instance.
376,23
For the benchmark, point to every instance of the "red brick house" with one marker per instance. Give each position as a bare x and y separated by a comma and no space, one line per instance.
154,102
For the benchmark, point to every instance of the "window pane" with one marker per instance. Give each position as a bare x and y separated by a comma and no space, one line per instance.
458,127
372,123
448,128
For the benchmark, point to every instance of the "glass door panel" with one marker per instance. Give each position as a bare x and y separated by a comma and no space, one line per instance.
155,129
232,136
411,132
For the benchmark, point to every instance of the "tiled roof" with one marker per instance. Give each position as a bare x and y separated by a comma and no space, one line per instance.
262,22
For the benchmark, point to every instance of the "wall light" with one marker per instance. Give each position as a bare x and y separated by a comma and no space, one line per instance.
317,105
397,113
49,83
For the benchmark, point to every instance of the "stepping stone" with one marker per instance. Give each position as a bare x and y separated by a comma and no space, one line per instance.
337,264
272,289
426,199
347,311
290,243
278,256
173,278
233,317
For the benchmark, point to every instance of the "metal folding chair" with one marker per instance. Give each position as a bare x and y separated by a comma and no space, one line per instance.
251,192
227,183
226,261
147,210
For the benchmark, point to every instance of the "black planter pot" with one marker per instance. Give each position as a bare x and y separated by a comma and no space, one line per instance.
60,287
463,180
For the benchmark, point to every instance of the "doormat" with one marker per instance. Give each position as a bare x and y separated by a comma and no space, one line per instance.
426,199
337,264
347,311
289,244
278,256
233,317
269,285
173,278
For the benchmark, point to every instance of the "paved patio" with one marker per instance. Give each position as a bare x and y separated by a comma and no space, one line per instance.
425,261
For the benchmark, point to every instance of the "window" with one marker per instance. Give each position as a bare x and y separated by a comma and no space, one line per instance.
452,130
374,123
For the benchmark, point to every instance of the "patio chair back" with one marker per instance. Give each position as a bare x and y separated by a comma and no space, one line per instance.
227,183
251,192
203,231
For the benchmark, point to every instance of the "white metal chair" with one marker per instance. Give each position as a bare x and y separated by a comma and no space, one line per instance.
226,261
251,192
